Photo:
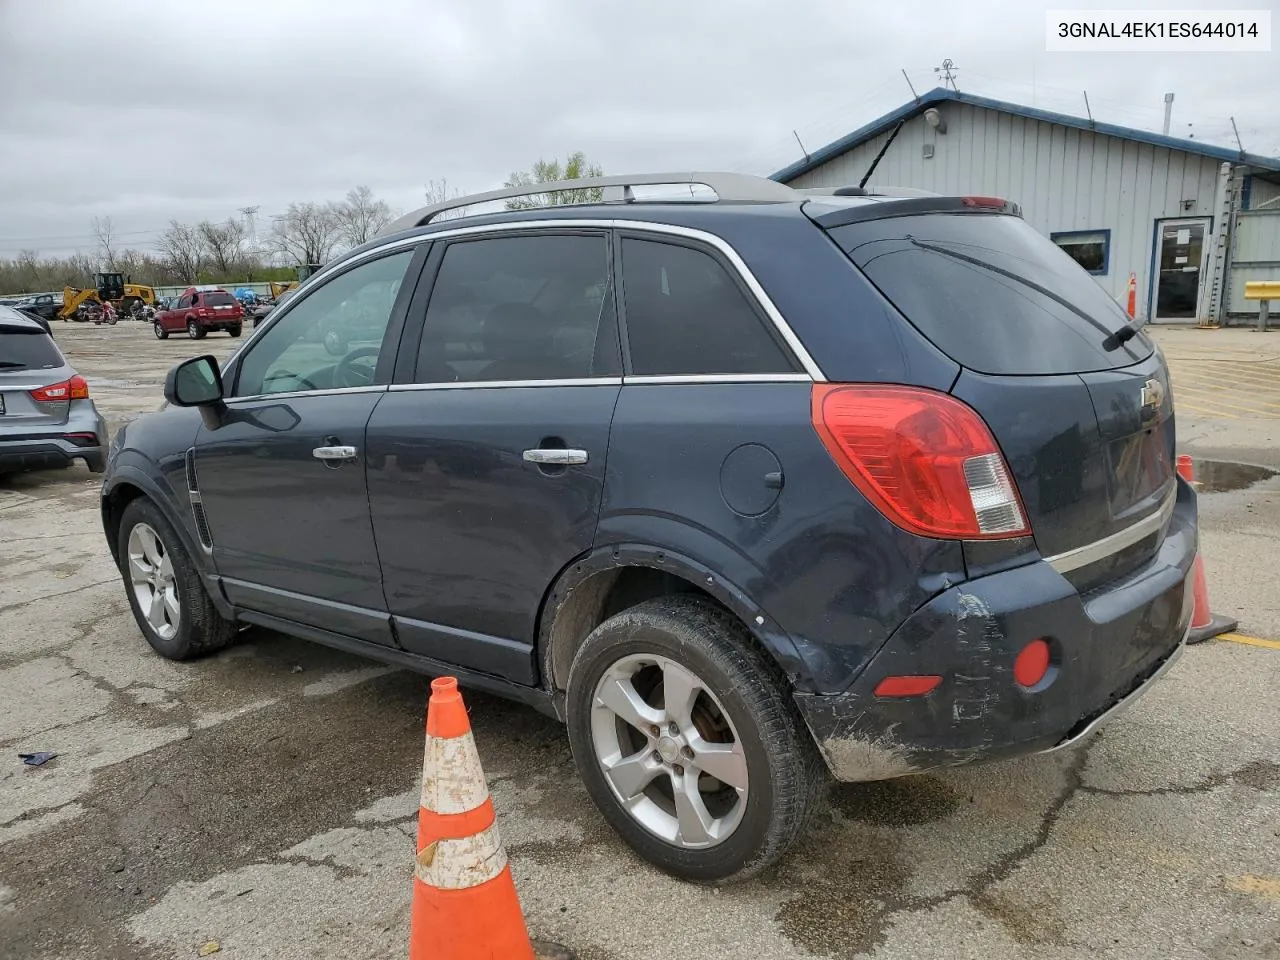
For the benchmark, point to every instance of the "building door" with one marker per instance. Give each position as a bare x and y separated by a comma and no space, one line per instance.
1181,248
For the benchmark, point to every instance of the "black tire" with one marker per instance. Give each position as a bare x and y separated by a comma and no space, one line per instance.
234,331
201,629
785,772
195,331
160,332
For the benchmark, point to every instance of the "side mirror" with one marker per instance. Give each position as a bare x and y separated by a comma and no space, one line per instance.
194,383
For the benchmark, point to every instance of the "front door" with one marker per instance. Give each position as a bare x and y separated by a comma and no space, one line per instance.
487,457
282,477
1180,259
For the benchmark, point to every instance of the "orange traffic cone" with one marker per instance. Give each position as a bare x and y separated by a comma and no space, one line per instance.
1203,623
464,900
1133,295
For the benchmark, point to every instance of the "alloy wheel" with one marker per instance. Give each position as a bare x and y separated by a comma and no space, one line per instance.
669,751
152,580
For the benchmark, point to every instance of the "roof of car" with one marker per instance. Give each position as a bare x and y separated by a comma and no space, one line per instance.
11,319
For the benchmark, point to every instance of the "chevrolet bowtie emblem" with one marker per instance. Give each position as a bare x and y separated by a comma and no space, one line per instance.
1152,394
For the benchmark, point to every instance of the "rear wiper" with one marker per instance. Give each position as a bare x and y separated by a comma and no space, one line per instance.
1121,336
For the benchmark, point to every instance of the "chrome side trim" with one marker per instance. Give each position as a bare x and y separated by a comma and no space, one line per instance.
644,226
502,384
1100,549
329,392
723,378
1118,708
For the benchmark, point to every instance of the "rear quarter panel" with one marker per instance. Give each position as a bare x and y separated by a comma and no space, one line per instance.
825,565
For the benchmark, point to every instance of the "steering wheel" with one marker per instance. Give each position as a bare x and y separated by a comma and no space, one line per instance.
347,375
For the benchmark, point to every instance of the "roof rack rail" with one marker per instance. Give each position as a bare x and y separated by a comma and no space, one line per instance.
728,187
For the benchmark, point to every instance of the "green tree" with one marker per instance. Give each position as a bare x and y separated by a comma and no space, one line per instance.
575,167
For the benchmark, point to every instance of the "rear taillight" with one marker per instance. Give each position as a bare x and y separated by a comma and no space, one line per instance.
77,388
927,461
986,203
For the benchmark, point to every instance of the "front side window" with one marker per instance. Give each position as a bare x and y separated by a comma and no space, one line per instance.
520,308
686,316
331,338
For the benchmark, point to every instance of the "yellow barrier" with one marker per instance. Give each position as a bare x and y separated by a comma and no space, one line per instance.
1262,290
1266,291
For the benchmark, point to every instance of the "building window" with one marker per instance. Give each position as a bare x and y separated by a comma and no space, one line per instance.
1089,248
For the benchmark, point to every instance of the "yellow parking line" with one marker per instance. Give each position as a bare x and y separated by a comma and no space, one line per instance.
1207,396
1184,405
1251,641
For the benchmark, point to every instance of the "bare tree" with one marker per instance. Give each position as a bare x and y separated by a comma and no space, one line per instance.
575,168
438,191
182,248
360,216
307,233
104,233
224,244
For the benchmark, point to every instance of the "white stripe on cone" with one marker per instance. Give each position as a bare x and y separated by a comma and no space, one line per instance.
452,779
459,864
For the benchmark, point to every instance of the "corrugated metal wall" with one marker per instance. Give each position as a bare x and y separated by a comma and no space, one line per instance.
1065,179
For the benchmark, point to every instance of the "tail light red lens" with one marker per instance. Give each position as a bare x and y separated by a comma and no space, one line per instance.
907,686
988,203
77,388
927,461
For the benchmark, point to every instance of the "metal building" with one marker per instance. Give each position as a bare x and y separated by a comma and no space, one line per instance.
1192,221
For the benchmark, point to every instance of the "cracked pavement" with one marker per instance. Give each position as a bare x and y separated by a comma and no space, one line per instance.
266,798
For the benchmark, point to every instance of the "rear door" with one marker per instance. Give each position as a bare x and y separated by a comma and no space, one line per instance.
1084,417
486,459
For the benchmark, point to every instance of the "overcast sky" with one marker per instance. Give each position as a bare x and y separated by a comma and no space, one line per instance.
151,110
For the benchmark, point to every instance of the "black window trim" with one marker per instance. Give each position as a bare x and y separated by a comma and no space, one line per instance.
392,337
405,373
646,233
430,235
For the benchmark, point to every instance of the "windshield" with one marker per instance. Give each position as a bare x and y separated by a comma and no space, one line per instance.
992,293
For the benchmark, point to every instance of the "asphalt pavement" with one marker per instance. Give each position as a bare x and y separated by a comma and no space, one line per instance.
265,799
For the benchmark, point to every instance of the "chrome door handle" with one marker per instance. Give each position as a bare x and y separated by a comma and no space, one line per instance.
334,453
556,456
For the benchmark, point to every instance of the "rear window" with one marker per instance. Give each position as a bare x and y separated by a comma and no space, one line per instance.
20,350
992,293
219,300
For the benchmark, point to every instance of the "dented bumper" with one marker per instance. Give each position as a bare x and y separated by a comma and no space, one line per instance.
1108,647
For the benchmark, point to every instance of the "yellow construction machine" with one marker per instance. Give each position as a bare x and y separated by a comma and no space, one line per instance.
281,287
110,287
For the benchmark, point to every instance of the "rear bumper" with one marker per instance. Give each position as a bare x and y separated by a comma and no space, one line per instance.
1109,646
47,449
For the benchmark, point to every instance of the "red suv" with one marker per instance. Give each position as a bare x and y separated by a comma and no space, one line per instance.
199,310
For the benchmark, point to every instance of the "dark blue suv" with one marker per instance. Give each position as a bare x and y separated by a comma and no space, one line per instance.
739,482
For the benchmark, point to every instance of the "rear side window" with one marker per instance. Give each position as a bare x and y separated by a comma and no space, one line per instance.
686,315
520,308
992,293
219,300
20,350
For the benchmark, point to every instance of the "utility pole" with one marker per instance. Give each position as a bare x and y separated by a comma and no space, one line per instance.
1168,112
248,214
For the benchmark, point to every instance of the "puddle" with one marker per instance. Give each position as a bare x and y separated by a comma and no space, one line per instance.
1223,476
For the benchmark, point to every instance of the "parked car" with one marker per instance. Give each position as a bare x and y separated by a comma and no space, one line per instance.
44,305
47,418
199,310
739,490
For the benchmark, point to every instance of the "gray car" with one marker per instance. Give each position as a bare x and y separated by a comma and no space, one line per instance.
46,416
